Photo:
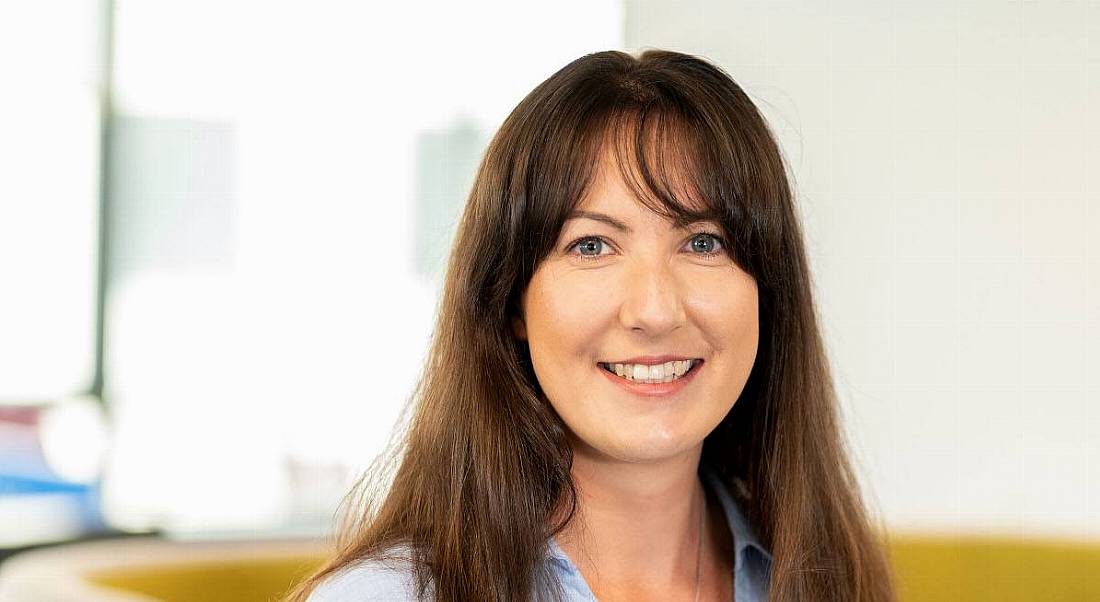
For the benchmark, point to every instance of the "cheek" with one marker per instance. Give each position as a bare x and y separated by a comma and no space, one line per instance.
731,320
563,314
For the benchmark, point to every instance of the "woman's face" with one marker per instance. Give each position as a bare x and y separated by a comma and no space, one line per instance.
638,293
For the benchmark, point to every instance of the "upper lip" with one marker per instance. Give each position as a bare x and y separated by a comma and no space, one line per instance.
651,360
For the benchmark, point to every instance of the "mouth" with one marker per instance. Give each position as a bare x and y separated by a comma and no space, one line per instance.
642,374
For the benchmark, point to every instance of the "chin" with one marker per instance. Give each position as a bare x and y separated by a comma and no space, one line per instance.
647,449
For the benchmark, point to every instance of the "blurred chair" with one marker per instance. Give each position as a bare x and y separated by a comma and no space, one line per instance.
930,569
155,569
978,569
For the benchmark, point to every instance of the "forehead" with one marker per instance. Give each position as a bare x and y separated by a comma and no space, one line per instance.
608,188
622,187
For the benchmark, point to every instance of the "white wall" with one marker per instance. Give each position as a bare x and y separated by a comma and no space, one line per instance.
50,99
948,171
268,311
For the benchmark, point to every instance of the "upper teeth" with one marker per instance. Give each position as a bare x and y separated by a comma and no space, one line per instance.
660,373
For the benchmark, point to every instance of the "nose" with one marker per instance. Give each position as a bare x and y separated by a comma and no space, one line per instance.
652,301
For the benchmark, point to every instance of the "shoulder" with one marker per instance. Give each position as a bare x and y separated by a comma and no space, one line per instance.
372,580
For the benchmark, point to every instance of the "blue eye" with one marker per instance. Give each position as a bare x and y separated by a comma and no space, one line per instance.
589,243
703,244
706,249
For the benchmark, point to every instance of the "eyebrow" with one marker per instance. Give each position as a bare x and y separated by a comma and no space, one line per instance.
600,217
614,223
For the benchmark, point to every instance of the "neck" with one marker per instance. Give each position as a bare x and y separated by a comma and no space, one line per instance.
637,523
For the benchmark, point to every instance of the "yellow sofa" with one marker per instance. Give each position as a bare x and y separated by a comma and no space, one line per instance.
929,569
150,569
980,569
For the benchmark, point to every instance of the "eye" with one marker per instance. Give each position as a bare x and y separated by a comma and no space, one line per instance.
588,246
705,243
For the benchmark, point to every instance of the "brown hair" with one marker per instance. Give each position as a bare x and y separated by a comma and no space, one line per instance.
483,465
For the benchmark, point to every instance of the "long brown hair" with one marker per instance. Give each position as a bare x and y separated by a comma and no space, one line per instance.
481,467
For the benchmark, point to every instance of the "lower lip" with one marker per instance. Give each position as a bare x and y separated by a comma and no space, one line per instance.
652,389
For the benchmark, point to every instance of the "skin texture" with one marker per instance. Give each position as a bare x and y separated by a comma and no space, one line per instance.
650,291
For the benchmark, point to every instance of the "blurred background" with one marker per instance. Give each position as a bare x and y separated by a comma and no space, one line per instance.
224,224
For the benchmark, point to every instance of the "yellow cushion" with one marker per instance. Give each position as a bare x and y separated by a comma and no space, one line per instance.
230,581
974,569
144,569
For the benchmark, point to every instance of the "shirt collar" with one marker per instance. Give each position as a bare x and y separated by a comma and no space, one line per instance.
743,535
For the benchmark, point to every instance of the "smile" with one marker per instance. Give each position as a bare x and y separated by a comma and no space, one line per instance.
658,373
668,384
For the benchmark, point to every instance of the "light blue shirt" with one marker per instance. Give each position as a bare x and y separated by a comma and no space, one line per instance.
377,581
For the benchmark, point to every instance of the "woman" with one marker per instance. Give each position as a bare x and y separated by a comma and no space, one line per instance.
627,396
